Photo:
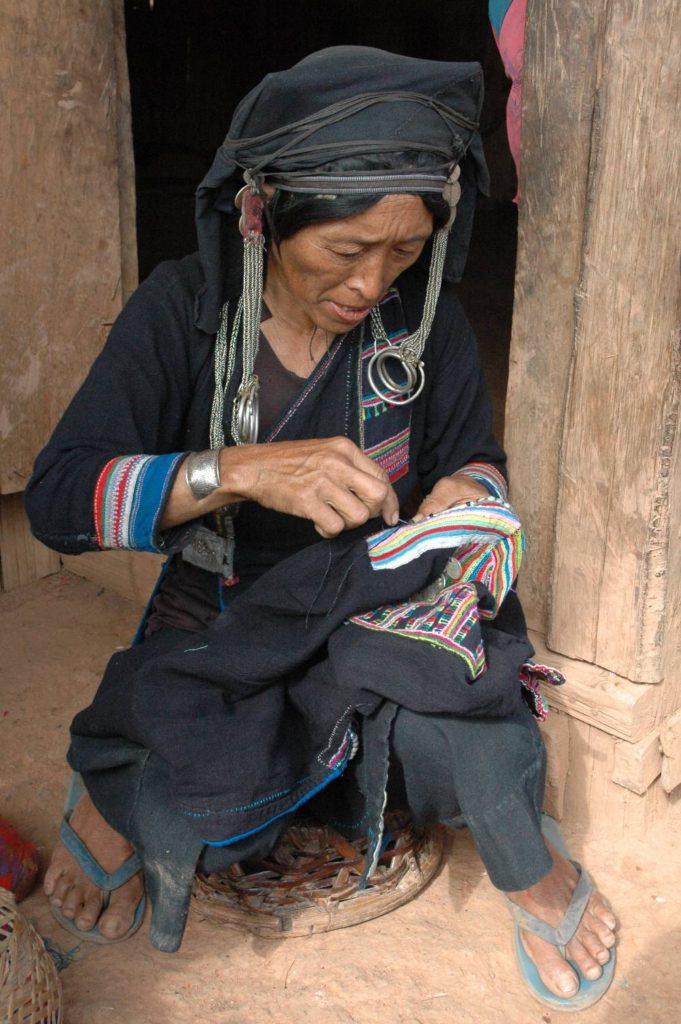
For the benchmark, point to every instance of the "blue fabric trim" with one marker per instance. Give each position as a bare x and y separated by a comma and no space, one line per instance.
158,479
289,810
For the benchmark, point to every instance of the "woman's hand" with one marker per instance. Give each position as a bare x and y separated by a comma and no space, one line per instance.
327,480
450,490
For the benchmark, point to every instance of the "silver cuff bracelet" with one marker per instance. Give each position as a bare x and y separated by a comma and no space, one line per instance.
202,472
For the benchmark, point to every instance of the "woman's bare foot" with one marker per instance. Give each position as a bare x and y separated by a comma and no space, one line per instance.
70,889
591,944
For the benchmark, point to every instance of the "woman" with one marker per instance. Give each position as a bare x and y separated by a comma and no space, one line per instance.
250,400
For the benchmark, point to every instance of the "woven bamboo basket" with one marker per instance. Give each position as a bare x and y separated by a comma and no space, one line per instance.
310,883
30,990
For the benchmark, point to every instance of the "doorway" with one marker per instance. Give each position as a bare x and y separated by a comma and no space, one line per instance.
190,64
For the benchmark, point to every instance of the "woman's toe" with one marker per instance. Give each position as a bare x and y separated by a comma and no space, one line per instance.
72,901
595,947
88,913
113,923
562,980
589,967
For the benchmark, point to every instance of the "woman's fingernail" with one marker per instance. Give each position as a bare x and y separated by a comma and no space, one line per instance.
418,518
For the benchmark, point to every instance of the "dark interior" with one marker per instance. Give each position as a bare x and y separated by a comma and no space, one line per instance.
190,63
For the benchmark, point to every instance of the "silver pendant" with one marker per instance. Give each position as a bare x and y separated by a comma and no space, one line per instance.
413,371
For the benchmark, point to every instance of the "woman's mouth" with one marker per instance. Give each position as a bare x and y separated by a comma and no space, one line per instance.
348,314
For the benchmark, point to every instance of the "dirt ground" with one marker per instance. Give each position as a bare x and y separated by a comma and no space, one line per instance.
445,958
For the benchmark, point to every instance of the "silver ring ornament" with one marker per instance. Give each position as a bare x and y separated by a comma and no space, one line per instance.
246,413
414,372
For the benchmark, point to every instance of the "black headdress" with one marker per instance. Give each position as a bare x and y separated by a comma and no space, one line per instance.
336,103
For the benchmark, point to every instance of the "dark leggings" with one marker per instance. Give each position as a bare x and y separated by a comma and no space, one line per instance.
485,773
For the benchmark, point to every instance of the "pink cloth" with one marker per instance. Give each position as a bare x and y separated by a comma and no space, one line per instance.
511,42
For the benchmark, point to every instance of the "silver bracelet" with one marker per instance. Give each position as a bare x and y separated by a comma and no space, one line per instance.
202,472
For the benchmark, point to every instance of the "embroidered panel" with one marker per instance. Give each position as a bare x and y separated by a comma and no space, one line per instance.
450,622
487,544
129,495
485,537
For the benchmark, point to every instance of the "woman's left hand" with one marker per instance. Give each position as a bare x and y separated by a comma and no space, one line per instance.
450,490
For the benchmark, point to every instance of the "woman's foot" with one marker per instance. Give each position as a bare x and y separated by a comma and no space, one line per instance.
70,889
591,944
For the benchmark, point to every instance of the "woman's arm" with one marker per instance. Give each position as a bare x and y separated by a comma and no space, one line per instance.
327,480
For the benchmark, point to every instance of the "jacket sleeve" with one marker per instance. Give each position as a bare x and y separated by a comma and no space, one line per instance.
103,478
458,435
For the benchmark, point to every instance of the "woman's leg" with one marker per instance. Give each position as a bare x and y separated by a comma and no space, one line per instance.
488,774
66,884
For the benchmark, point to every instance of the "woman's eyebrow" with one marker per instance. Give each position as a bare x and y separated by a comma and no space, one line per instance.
369,240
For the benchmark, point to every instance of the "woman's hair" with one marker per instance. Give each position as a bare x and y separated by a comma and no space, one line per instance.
288,212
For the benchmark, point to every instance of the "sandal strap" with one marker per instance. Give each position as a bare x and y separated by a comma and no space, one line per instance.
561,935
104,880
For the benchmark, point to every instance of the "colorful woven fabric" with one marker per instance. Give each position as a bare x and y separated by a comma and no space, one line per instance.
531,675
487,545
129,497
449,622
18,861
486,475
485,537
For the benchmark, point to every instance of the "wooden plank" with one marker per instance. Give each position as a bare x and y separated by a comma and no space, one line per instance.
556,733
23,559
59,208
671,691
126,157
132,574
614,705
593,803
637,765
610,580
561,49
670,740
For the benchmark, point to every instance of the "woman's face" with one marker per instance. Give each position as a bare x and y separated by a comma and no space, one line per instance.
330,274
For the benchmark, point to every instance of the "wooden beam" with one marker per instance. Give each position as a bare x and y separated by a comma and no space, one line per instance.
23,559
610,703
59,209
670,740
637,765
559,79
610,581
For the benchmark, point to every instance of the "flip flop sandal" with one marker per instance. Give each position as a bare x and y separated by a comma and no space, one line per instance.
104,880
589,992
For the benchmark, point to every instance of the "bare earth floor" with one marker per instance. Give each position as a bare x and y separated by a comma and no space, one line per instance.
445,958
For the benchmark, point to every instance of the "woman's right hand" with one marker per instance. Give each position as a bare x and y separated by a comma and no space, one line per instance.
327,480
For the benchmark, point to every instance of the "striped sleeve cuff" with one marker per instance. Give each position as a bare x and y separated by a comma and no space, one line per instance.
129,498
488,476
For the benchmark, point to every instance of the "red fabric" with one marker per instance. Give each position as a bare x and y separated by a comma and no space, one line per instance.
18,861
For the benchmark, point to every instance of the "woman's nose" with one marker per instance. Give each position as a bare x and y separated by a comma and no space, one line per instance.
368,281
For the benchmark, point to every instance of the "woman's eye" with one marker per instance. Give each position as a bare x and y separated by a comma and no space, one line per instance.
345,254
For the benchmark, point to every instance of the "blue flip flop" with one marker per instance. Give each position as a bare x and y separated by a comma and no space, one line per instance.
105,881
589,992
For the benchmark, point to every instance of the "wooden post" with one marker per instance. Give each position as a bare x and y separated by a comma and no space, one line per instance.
68,244
610,583
559,82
